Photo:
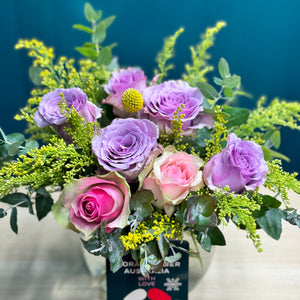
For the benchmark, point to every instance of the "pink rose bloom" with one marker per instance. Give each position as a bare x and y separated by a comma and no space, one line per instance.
93,200
120,81
171,177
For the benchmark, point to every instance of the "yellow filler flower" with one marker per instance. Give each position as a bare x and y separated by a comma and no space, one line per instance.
132,100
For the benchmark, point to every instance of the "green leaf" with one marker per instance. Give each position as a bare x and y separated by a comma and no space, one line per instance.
270,201
83,28
91,245
141,203
88,52
231,82
216,236
173,258
202,135
207,90
31,145
104,57
15,137
3,213
100,33
238,116
18,199
116,253
13,220
201,205
43,203
13,149
204,241
217,81
267,153
90,14
223,68
276,139
279,155
35,75
228,93
163,246
108,21
270,222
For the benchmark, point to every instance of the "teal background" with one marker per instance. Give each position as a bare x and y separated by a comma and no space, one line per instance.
261,43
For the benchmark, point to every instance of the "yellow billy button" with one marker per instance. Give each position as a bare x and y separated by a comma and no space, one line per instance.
132,100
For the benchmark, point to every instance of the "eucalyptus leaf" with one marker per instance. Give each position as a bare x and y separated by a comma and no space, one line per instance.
141,203
83,28
270,201
217,81
278,155
3,213
13,219
231,82
35,75
43,203
207,90
204,241
216,236
91,245
18,199
203,135
13,149
105,56
108,21
15,137
116,253
237,116
88,52
276,139
90,14
100,33
223,68
267,153
173,258
163,246
270,222
228,93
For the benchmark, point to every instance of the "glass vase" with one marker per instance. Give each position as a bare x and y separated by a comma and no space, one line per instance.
199,261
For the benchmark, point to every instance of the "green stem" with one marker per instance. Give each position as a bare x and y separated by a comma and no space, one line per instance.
197,249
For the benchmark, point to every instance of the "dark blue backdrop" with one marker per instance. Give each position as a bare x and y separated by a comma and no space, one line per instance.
261,43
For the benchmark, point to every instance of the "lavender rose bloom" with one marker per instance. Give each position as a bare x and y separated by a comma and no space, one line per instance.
49,113
161,101
125,145
120,81
240,166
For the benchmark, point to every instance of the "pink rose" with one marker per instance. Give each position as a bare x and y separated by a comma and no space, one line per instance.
93,200
171,177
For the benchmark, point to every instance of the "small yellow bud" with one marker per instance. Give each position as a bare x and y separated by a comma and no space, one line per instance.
132,100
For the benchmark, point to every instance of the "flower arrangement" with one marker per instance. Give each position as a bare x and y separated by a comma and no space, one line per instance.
136,162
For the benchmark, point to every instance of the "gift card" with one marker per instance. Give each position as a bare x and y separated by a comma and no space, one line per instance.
171,283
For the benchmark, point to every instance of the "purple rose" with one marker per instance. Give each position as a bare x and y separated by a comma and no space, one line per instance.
120,81
161,102
240,166
93,200
49,113
125,145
